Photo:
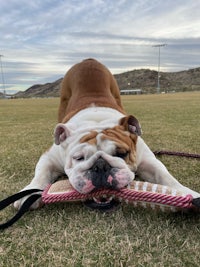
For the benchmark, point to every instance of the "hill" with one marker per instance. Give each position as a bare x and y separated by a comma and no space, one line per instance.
41,90
144,79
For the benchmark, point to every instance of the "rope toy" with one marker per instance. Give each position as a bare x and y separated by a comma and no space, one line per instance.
143,194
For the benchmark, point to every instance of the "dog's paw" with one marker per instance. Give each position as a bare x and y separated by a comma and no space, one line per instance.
37,204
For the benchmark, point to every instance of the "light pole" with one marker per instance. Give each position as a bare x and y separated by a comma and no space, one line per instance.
2,75
158,82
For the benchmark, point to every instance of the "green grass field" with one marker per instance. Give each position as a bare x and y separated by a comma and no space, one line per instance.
69,234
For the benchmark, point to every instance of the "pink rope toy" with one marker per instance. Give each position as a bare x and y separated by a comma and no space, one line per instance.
139,194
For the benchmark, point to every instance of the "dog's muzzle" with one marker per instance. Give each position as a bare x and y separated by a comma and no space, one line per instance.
101,175
101,171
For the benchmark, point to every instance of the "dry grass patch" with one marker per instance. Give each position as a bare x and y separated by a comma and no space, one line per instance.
71,235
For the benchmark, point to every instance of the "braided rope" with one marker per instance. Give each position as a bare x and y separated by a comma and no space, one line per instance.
132,195
169,200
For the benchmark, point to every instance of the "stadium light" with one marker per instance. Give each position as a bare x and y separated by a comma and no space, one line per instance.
2,75
158,80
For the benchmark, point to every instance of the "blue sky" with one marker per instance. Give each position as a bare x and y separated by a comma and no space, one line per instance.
41,39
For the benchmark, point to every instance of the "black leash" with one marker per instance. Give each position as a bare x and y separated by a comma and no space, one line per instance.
178,154
24,208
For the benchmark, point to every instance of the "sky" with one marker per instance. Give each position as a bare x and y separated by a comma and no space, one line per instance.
41,39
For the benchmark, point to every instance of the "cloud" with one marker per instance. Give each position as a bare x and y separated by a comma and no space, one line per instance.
40,40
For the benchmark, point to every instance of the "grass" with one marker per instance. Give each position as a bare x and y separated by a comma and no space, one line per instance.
71,235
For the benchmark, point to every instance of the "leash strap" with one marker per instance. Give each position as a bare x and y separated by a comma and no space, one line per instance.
24,208
196,202
178,154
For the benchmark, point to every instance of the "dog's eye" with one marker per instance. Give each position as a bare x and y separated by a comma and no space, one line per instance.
78,158
122,155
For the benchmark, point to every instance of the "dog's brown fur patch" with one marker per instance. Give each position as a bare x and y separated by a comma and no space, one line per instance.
86,83
89,138
125,141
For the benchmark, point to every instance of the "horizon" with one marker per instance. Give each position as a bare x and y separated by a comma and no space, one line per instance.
41,40
13,92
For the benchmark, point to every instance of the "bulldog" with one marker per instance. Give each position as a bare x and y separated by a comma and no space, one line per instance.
97,145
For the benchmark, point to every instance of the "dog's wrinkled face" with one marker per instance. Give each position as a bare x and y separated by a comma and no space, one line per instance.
103,158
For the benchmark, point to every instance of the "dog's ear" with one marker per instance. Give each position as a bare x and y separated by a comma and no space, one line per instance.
131,124
61,133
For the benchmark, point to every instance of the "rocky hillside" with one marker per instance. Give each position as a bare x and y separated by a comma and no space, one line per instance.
144,79
41,90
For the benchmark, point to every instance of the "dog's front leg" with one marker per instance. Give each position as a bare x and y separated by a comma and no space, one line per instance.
152,170
47,170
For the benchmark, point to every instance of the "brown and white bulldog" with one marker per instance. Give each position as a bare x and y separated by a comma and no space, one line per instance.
97,145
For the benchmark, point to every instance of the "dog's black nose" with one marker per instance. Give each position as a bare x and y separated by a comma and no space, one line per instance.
100,173
101,166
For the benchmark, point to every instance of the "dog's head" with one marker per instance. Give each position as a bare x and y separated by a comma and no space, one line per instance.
101,157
